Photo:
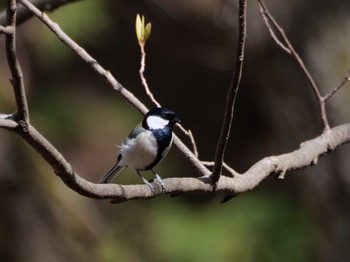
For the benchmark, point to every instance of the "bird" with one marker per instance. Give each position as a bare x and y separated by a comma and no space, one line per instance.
146,146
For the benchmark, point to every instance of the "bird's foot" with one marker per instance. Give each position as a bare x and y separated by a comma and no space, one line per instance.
160,181
149,185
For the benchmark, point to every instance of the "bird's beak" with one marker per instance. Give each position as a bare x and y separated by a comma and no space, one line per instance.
176,120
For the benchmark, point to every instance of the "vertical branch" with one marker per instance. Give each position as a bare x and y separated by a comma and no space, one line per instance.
232,94
16,72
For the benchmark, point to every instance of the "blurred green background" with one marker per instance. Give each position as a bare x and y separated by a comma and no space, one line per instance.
189,64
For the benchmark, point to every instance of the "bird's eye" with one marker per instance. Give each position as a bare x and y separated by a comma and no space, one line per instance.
168,116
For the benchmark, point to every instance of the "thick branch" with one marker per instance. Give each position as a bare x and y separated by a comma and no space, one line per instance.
232,94
306,155
15,69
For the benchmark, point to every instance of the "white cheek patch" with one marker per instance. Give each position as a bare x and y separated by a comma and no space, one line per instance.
156,122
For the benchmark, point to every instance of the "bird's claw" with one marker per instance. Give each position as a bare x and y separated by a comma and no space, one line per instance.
160,181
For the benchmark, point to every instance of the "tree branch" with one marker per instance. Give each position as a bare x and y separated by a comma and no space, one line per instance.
142,76
15,69
23,14
345,80
306,155
288,47
231,96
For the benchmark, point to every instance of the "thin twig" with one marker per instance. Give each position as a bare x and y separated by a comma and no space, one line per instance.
15,68
231,96
143,79
192,140
288,47
345,80
226,166
154,101
268,17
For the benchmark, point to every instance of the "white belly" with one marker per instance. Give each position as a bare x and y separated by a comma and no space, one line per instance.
140,152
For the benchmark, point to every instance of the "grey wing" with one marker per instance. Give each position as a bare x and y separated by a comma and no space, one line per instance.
134,133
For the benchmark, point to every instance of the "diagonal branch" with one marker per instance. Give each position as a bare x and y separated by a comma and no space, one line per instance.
288,47
23,14
336,89
231,96
15,69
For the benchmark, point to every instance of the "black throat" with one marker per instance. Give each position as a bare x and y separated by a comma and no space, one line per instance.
164,137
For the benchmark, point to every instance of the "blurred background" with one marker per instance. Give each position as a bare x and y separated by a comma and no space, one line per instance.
190,57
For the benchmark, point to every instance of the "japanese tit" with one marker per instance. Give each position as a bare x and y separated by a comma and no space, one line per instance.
146,145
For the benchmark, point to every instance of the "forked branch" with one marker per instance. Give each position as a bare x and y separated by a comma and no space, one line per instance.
286,45
15,69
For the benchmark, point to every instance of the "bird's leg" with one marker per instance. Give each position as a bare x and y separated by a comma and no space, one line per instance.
146,182
159,180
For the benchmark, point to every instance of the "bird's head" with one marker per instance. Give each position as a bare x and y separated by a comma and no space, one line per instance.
159,118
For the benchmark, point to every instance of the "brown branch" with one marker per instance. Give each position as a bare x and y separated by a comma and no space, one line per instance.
345,80
288,47
306,155
142,76
189,134
23,14
15,69
231,96
224,165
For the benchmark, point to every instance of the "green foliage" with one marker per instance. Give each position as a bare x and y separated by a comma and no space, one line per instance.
252,227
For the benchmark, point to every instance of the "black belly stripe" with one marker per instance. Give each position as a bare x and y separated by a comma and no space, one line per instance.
163,137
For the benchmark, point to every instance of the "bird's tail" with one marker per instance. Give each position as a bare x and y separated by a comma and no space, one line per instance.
110,174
